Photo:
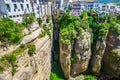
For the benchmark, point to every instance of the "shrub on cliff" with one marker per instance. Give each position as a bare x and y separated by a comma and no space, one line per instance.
39,21
10,31
31,50
72,26
116,28
48,19
89,77
28,19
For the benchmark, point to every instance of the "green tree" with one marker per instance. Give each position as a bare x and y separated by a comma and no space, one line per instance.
39,21
9,32
28,19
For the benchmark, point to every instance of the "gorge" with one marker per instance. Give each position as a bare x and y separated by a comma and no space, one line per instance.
88,44
64,47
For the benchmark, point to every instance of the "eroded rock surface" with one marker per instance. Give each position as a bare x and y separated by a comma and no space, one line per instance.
74,58
82,54
36,67
98,54
111,60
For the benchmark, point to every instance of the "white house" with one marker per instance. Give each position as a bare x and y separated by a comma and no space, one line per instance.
92,4
79,5
15,9
61,4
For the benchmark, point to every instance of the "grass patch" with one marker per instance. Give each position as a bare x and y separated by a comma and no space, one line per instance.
89,77
42,34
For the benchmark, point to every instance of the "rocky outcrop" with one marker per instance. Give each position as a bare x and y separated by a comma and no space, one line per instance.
31,36
111,60
74,58
65,56
98,54
81,55
36,67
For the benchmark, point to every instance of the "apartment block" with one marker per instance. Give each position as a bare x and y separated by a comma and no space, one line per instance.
15,9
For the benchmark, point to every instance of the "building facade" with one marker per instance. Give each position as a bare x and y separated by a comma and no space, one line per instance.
79,5
15,9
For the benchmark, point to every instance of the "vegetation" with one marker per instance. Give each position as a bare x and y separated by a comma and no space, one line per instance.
39,21
7,60
89,77
10,31
48,19
28,19
46,30
56,72
10,59
72,26
42,34
98,25
31,50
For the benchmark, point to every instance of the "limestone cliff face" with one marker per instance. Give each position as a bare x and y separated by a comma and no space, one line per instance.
65,55
36,67
75,58
98,54
111,60
82,54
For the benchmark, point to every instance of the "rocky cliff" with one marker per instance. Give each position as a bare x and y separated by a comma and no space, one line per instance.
74,58
111,60
25,66
77,55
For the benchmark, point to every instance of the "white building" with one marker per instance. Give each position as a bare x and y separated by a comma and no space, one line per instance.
92,4
58,3
79,5
36,7
15,9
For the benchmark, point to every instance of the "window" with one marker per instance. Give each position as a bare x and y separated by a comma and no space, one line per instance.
15,6
20,15
35,1
37,8
8,7
22,0
27,6
10,16
13,0
18,0
22,7
14,16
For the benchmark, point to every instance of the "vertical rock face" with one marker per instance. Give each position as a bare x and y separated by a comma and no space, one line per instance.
75,62
65,55
98,54
111,59
82,54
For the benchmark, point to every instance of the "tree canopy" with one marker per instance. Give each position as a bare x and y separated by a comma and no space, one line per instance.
72,26
10,31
